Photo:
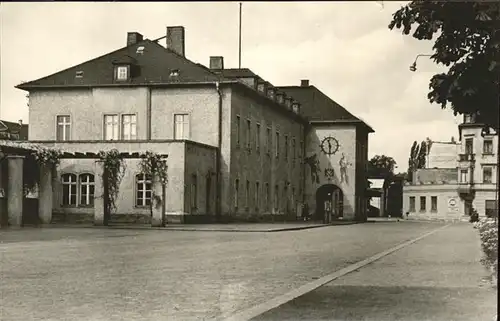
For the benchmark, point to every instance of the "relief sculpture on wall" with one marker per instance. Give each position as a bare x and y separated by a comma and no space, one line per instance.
344,164
313,163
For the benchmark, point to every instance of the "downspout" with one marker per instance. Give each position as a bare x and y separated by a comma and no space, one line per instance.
218,178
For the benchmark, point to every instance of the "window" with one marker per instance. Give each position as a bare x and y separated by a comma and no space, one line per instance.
238,131
86,189
293,199
268,140
464,176
194,193
301,149
181,129
412,204
467,119
434,203
277,146
487,175
488,146
69,189
110,127
294,155
257,194
63,128
267,194
122,73
490,208
276,198
257,137
236,193
247,195
469,146
248,138
129,127
422,204
286,147
143,190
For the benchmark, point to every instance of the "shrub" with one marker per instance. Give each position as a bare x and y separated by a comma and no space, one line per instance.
488,233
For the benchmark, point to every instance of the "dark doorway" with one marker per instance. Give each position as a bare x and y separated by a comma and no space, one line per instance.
329,203
208,194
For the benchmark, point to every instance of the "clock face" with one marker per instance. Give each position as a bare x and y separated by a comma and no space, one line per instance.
329,145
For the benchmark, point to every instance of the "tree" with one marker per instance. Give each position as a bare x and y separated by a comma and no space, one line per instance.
417,157
468,40
381,165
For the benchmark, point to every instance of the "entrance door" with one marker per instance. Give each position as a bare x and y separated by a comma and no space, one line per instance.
329,203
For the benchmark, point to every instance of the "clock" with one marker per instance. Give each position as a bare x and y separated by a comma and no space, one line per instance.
329,145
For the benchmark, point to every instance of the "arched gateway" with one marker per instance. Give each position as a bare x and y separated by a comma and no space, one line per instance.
329,203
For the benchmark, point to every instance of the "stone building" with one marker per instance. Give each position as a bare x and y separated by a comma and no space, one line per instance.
450,188
238,147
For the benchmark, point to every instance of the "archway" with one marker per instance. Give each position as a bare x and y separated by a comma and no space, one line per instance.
329,203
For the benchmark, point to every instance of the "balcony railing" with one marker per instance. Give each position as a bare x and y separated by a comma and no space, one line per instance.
466,157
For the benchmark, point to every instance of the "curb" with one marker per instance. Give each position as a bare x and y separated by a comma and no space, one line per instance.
259,309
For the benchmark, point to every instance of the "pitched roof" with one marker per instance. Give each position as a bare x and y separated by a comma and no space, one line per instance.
317,106
14,128
238,73
153,66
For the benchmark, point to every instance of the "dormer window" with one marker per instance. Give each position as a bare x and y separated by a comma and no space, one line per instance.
279,97
295,108
288,102
260,87
174,73
140,50
469,118
122,73
79,74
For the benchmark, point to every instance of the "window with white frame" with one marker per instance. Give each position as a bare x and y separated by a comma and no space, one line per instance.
63,127
69,189
412,204
434,203
236,193
257,137
257,194
422,203
86,189
247,194
487,175
181,126
129,126
464,176
249,134
488,146
277,146
122,72
143,190
111,128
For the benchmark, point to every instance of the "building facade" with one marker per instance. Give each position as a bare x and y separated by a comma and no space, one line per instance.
237,145
467,182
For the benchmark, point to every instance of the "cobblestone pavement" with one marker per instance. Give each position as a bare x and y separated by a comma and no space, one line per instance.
118,274
437,278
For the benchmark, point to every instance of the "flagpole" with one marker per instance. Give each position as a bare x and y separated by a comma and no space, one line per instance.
239,42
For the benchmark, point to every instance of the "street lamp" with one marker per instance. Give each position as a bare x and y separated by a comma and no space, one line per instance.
413,66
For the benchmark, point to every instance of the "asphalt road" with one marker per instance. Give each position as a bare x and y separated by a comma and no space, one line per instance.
438,278
106,274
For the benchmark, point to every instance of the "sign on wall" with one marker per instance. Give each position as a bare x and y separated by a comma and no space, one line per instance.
452,205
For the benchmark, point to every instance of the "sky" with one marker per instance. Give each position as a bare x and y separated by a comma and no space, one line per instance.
345,49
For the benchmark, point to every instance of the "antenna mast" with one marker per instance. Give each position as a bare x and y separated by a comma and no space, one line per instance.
239,40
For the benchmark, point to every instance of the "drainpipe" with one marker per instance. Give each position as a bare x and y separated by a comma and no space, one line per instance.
218,179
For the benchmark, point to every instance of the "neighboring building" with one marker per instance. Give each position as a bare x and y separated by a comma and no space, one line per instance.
237,146
13,131
442,154
468,182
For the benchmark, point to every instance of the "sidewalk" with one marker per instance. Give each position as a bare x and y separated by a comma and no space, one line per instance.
437,278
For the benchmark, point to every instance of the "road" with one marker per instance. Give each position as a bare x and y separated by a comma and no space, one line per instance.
111,274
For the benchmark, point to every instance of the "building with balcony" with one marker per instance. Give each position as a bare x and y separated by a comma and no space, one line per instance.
449,188
238,147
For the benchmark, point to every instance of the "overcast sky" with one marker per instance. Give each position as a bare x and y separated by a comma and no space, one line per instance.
344,48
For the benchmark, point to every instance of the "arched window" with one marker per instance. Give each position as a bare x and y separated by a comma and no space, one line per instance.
86,189
143,190
69,189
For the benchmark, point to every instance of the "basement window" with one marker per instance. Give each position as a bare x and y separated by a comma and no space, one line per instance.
79,74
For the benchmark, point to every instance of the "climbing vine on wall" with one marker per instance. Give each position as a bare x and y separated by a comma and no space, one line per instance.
38,157
112,174
155,167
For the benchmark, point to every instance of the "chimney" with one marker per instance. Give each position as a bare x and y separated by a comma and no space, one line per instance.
304,83
217,62
133,38
20,122
175,39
